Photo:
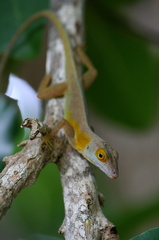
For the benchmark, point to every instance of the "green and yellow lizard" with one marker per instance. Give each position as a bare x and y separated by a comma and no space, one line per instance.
75,124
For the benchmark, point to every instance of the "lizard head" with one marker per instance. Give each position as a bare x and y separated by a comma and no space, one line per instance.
103,156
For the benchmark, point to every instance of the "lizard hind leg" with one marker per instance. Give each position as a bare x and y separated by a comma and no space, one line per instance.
90,75
47,91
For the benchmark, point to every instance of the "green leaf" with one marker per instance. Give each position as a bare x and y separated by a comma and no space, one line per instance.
13,14
126,88
152,234
134,217
42,237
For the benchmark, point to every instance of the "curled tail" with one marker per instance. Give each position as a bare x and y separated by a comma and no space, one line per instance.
53,19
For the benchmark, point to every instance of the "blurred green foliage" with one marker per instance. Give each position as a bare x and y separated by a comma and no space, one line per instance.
126,87
10,133
41,237
125,92
13,14
152,234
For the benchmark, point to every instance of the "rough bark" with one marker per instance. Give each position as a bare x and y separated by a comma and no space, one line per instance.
83,216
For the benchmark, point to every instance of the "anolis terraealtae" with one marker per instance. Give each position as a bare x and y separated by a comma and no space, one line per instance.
75,124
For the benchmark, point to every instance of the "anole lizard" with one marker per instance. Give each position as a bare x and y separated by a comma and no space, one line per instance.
75,124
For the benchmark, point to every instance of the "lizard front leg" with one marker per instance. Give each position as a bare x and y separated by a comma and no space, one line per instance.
47,91
69,131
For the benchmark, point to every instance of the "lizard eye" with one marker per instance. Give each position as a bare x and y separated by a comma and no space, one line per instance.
101,155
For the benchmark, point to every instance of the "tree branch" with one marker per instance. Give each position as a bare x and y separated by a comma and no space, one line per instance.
83,216
23,168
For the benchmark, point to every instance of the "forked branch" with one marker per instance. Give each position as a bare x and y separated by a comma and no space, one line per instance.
83,215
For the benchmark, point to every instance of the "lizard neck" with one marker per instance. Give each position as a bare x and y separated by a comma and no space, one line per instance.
82,137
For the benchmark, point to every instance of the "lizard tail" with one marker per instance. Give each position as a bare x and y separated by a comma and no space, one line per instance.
45,13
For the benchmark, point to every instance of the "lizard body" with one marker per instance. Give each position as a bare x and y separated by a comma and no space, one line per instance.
77,130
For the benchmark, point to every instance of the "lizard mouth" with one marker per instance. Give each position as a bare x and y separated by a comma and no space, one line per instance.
114,177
